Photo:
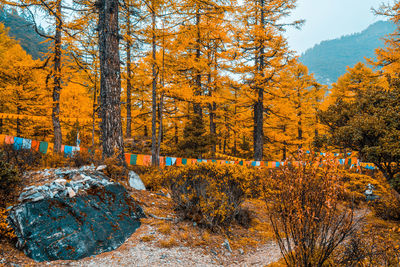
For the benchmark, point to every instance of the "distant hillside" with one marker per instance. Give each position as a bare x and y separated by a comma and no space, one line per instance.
329,59
22,30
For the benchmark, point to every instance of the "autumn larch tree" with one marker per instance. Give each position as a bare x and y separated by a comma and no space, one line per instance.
53,9
260,41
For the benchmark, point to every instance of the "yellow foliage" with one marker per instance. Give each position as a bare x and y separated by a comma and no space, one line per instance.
5,230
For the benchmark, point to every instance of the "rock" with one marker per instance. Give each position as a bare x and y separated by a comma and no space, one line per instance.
226,245
241,251
71,225
71,193
101,167
135,181
60,181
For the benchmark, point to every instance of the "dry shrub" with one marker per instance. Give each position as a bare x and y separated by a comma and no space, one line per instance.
376,244
22,159
84,158
388,205
306,211
115,170
53,160
9,183
208,194
153,179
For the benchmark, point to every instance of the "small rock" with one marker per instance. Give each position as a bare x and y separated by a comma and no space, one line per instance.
226,245
101,167
71,193
60,181
214,252
194,223
163,256
135,181
241,252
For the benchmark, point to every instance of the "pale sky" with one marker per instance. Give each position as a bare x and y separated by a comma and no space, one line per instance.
329,19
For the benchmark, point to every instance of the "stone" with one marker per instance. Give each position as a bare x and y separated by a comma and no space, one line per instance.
60,181
135,181
101,167
71,193
71,226
227,245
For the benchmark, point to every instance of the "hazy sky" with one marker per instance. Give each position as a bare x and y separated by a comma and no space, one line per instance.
329,19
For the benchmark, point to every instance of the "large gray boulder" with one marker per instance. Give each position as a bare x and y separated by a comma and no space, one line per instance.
75,219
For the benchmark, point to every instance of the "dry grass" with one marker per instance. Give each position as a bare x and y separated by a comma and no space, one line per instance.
168,243
147,238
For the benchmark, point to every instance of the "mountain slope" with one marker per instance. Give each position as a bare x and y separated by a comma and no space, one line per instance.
329,59
22,30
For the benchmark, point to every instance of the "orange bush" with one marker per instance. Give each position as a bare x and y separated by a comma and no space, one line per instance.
208,194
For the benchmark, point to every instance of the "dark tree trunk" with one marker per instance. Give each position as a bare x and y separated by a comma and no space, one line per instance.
110,81
258,127
211,110
197,106
284,150
176,139
213,128
160,126
259,105
299,122
18,122
57,81
94,108
155,161
128,78
161,106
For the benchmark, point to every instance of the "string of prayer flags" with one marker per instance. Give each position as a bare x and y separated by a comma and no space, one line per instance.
19,143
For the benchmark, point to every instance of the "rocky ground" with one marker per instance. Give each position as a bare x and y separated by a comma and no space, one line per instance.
163,240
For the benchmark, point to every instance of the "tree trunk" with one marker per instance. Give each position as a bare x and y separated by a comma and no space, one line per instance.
299,122
161,106
128,78
160,127
259,105
155,161
57,81
110,81
18,122
94,108
211,110
197,106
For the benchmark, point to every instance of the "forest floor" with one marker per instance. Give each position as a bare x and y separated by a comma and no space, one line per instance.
164,242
